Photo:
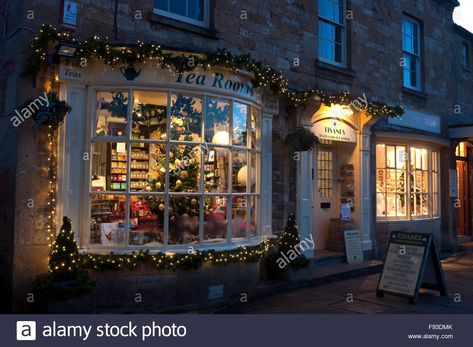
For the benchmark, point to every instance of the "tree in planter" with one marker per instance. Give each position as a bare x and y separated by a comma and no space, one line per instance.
66,278
288,244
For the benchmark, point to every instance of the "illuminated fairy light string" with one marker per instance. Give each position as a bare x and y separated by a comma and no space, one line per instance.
264,76
171,261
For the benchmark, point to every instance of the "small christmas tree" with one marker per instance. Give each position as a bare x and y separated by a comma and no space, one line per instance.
64,256
290,237
66,278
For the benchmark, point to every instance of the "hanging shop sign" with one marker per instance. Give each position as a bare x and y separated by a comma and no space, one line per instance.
218,81
334,130
412,262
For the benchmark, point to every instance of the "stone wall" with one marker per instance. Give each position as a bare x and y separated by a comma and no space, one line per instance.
280,33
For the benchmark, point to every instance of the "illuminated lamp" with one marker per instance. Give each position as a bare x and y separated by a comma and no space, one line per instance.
243,174
221,138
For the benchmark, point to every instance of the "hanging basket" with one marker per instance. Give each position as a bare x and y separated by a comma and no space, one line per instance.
53,114
302,139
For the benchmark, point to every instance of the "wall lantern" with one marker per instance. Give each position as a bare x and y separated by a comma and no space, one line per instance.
66,49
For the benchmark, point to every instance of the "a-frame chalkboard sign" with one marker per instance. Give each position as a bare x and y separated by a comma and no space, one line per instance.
412,262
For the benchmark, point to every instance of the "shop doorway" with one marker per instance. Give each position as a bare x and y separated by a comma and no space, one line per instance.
333,160
462,204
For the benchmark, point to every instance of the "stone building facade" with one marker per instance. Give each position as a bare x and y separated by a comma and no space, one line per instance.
282,34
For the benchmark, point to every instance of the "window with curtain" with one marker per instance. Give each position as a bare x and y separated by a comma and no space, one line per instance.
411,45
331,31
407,182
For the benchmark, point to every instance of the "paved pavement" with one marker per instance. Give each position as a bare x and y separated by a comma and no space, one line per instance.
358,295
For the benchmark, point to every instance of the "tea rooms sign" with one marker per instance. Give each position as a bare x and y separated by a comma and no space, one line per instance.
334,129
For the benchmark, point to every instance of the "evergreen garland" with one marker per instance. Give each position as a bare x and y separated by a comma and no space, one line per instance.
264,76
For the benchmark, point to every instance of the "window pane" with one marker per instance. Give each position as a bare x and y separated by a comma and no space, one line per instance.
186,118
380,180
326,41
391,206
196,9
109,166
407,71
215,219
380,205
146,220
107,220
217,122
381,156
183,219
253,175
178,7
149,115
390,180
400,157
435,204
391,156
253,213
331,9
401,204
161,4
255,128
240,113
184,168
111,113
239,171
239,217
401,181
216,170
148,167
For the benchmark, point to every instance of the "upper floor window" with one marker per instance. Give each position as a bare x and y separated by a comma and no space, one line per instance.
190,11
411,42
465,55
332,38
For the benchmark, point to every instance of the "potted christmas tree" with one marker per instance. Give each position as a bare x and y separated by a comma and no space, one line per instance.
286,262
67,286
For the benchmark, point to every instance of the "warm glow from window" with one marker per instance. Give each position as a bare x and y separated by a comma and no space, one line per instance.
406,182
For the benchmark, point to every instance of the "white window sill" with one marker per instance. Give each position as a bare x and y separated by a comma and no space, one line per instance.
404,220
178,249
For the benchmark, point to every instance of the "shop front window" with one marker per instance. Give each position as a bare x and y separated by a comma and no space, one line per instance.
406,182
165,170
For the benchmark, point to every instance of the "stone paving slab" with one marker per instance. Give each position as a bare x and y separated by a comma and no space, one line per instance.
332,297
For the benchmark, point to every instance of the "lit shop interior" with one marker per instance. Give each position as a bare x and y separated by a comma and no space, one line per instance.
173,169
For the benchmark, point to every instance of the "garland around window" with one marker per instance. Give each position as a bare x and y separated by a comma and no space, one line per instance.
264,76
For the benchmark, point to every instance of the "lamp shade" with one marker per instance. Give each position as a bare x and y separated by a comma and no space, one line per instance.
221,138
243,174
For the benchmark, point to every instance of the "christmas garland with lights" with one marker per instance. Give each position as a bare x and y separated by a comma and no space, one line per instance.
171,261
264,76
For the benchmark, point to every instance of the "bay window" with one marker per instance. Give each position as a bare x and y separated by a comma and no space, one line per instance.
170,169
407,182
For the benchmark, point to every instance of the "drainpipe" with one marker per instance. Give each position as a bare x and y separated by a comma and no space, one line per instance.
115,26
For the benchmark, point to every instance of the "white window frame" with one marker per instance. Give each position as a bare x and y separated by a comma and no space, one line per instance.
205,23
409,217
231,242
341,25
416,55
